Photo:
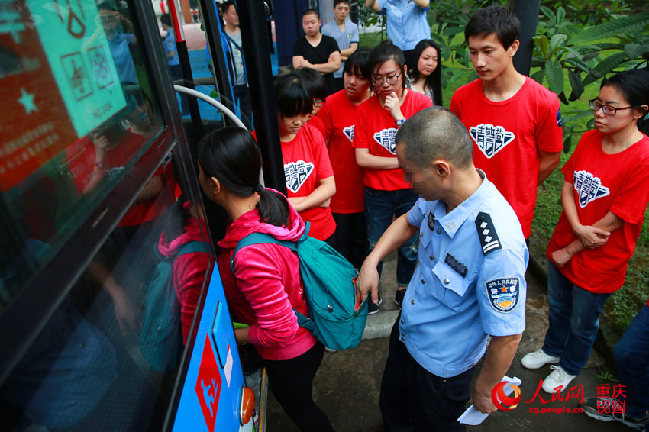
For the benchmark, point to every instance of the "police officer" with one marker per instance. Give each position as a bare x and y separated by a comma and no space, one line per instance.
469,284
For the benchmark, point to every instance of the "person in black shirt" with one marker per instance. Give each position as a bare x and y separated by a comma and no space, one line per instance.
316,50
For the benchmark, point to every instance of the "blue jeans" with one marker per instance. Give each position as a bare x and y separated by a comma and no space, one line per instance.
380,207
631,354
574,321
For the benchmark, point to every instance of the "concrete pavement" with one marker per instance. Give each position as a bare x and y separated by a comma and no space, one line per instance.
348,382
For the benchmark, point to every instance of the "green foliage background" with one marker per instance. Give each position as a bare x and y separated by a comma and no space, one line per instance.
577,43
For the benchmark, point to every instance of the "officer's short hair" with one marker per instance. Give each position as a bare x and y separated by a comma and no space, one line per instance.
436,133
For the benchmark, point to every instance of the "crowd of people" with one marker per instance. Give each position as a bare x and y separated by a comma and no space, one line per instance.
375,164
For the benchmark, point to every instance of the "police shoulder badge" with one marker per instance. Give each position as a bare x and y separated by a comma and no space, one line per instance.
487,233
503,293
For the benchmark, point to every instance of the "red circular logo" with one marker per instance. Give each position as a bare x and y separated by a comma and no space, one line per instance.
500,398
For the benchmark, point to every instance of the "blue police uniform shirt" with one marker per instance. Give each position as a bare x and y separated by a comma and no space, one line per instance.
122,57
170,45
344,39
407,23
469,282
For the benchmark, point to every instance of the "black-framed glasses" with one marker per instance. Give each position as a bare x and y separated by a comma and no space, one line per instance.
390,79
606,109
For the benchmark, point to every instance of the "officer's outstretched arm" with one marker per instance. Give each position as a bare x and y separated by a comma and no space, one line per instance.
392,238
500,355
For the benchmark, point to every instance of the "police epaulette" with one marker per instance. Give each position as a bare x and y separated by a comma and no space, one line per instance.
487,233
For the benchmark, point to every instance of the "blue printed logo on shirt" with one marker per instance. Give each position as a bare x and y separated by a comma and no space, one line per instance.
349,132
588,187
491,139
559,121
385,138
503,293
296,174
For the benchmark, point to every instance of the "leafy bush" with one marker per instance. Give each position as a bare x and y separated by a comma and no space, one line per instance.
586,55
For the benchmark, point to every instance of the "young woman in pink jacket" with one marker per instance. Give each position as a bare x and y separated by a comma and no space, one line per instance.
266,284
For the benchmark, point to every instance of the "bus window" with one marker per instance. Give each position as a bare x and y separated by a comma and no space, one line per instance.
107,357
79,110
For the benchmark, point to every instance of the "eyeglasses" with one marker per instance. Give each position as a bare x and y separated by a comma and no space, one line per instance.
390,79
606,109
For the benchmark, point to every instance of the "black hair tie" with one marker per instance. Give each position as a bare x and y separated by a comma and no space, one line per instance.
259,189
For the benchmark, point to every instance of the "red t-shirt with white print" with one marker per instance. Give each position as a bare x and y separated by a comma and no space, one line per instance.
336,120
376,129
601,182
507,137
306,163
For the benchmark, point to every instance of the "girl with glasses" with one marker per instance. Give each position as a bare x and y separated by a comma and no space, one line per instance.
387,193
605,194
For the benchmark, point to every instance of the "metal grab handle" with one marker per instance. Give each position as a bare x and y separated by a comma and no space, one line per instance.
205,98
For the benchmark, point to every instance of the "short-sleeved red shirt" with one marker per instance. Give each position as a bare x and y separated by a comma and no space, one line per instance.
508,136
602,182
376,130
336,120
306,163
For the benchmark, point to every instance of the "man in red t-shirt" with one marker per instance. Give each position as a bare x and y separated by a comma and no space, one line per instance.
515,122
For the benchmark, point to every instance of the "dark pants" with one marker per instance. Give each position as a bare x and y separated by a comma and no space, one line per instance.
380,208
631,354
242,97
350,239
291,382
413,399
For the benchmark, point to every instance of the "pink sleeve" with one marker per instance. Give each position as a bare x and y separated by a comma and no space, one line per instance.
190,272
549,133
260,282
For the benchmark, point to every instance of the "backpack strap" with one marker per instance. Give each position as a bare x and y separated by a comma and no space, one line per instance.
192,247
256,238
304,321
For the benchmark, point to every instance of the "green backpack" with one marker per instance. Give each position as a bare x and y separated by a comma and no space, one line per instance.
328,277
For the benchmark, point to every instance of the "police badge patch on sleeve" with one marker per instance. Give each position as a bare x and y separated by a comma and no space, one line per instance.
503,293
487,233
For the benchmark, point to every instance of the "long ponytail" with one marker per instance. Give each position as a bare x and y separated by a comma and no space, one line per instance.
231,155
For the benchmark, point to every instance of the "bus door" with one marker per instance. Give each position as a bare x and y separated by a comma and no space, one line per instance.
102,224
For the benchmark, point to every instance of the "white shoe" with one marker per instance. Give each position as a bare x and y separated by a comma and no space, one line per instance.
557,381
538,358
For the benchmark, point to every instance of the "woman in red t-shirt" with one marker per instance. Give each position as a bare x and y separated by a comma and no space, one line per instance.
605,194
387,194
309,176
336,121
